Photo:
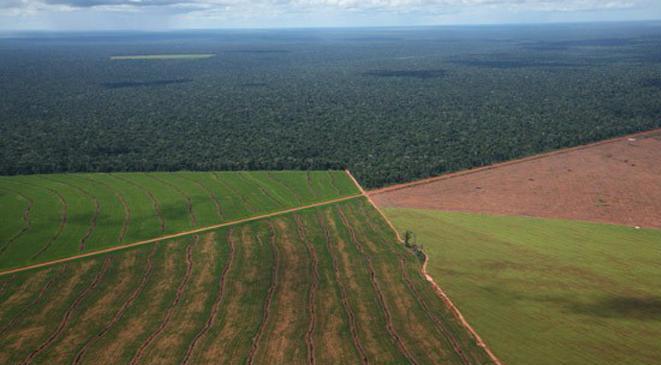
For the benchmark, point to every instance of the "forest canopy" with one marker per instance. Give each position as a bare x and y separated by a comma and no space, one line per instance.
392,105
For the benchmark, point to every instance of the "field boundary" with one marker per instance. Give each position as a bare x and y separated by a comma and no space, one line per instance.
437,289
535,157
181,234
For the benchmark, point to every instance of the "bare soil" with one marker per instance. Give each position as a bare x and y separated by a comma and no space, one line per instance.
616,181
282,338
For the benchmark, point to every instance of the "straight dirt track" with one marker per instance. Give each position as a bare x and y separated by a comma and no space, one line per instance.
252,309
177,235
616,181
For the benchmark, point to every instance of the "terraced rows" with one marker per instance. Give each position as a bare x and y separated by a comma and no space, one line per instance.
328,285
46,217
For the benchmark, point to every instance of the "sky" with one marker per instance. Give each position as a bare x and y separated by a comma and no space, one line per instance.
70,15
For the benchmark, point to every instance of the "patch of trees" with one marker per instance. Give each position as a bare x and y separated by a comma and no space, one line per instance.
415,103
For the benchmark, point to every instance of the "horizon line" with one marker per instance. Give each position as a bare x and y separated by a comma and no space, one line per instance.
328,27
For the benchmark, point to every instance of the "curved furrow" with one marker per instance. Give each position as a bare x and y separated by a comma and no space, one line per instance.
122,200
122,310
212,195
26,220
259,186
334,184
3,286
18,316
353,327
95,216
296,196
189,202
269,296
312,291
215,308
438,324
67,315
311,189
363,212
245,201
60,228
377,289
155,203
172,308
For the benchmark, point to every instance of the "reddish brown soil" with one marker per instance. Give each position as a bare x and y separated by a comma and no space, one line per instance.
616,181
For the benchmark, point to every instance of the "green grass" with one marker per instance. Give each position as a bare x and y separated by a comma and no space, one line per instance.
548,291
74,213
192,56
349,236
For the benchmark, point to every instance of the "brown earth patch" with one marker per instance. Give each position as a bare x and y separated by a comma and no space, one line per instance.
365,316
21,295
3,285
438,323
312,290
215,308
172,308
20,338
18,317
266,312
93,316
390,327
282,342
432,316
120,313
333,343
396,295
66,318
236,319
616,181
132,328
168,347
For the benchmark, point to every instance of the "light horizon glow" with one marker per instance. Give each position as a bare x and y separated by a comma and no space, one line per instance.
163,15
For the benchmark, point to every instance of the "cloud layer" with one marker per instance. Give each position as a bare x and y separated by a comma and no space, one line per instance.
344,11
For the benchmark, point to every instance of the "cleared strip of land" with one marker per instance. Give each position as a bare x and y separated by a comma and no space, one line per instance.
616,181
189,56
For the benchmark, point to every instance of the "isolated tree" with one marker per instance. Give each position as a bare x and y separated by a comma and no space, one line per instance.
409,239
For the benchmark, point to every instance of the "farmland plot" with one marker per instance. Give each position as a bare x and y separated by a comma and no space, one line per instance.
45,217
546,291
324,285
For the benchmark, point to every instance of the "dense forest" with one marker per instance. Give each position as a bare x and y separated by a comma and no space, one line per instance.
391,104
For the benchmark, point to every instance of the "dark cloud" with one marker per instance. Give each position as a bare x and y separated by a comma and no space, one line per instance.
134,3
9,4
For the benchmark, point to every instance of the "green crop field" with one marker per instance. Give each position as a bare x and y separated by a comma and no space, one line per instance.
324,285
164,57
548,291
46,217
